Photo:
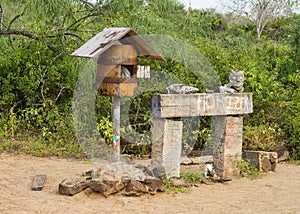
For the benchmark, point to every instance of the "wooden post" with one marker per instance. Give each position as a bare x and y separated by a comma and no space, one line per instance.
116,127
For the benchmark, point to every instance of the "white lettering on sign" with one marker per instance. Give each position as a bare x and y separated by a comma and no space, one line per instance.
192,105
238,104
223,104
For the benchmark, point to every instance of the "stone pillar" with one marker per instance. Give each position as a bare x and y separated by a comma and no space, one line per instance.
227,144
157,141
166,145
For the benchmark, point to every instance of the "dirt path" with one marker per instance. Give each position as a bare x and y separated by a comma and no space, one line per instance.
277,192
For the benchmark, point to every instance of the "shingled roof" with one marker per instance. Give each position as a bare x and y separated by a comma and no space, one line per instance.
109,36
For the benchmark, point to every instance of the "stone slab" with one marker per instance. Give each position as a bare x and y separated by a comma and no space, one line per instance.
264,161
72,187
202,159
38,182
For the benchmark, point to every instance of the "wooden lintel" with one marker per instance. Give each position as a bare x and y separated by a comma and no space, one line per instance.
193,105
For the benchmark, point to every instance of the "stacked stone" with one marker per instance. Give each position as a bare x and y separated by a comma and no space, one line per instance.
126,179
228,144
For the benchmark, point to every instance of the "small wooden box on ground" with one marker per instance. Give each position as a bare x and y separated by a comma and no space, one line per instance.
264,161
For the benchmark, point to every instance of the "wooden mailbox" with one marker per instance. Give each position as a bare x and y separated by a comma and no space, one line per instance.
118,50
117,71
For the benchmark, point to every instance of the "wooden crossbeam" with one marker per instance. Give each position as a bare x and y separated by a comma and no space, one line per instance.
193,105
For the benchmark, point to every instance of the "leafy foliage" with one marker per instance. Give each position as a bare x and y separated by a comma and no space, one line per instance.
245,169
38,76
192,177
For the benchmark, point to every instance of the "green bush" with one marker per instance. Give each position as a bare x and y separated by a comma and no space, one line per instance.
263,137
192,177
245,169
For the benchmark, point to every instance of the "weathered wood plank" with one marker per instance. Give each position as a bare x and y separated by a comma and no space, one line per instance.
127,89
121,89
38,182
118,80
191,105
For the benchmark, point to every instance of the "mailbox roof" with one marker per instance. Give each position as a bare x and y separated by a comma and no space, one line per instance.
109,36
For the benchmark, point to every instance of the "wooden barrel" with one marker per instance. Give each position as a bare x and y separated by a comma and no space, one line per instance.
117,71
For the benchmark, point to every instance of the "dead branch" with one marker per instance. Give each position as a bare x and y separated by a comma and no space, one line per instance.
10,30
19,32
42,82
60,93
26,34
74,34
14,19
91,5
81,19
62,32
1,17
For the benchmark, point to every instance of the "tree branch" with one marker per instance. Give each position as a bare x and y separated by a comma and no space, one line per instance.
27,34
14,19
60,93
89,4
9,29
74,34
42,82
1,17
81,19
64,33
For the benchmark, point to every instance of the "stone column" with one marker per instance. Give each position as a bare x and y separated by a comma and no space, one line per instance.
166,145
227,144
157,141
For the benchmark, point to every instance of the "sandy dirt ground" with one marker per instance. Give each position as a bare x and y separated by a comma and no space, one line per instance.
276,192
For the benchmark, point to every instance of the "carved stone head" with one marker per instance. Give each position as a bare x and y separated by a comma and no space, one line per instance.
236,80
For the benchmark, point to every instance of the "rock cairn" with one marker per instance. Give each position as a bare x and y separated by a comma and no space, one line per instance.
117,178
